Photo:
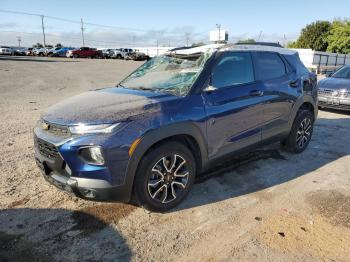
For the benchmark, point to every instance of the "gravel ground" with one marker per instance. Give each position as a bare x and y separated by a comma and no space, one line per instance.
267,206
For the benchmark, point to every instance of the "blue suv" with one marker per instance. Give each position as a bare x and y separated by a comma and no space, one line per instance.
174,117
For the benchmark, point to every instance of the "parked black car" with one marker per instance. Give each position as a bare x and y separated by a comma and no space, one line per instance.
174,117
334,91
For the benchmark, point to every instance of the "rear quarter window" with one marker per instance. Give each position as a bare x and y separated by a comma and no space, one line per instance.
269,66
296,63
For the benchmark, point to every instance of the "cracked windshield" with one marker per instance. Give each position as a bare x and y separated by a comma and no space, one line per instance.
171,73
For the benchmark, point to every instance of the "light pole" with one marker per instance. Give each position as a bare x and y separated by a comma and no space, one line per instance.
82,31
218,26
19,41
187,38
42,24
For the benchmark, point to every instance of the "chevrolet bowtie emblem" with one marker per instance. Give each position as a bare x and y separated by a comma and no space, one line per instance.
45,126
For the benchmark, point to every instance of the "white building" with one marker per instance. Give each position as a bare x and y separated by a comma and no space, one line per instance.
322,61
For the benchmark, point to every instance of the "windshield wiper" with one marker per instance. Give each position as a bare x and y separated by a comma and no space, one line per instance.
119,85
145,88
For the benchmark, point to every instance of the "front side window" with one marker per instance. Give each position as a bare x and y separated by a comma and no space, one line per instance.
173,74
343,72
233,69
269,66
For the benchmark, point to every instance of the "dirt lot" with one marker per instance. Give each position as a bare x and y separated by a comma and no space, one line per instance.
271,206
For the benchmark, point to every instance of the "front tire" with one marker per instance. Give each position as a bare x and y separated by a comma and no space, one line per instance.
301,132
164,176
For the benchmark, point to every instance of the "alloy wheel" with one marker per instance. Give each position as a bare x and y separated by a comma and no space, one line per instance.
304,132
168,179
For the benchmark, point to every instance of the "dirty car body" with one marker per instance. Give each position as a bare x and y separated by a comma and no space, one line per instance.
92,144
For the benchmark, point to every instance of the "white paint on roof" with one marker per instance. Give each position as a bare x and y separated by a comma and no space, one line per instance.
281,50
232,47
195,50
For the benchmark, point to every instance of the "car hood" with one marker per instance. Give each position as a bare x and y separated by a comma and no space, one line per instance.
335,83
104,106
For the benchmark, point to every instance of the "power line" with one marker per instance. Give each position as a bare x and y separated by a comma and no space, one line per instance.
91,24
18,13
159,34
72,38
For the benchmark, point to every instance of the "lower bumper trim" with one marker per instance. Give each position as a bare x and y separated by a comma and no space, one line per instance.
334,106
90,189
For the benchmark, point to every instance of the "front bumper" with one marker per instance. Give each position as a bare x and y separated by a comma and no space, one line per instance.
334,102
91,189
57,172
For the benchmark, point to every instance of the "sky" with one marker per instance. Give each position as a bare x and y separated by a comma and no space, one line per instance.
169,22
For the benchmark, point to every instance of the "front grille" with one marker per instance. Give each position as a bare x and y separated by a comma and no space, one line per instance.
333,93
325,92
46,149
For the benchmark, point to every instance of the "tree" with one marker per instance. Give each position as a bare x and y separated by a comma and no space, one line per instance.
38,45
59,45
339,37
314,36
292,44
246,41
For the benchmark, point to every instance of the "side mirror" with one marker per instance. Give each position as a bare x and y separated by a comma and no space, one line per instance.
210,88
329,74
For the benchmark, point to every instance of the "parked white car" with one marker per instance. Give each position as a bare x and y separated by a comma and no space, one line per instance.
6,50
121,53
39,51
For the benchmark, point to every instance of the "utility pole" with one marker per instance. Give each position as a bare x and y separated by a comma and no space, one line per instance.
82,31
218,26
42,24
19,41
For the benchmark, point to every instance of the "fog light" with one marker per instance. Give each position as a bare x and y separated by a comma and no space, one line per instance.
88,193
93,155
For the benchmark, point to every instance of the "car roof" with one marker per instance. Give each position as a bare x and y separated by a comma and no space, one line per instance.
261,43
233,47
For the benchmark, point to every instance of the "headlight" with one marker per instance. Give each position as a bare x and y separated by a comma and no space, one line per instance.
92,155
93,129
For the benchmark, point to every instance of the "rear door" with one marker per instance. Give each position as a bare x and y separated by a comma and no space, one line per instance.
279,92
234,106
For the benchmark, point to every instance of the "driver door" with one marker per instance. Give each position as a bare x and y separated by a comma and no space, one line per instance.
233,104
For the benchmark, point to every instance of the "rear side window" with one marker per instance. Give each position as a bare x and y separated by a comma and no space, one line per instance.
269,66
233,69
295,62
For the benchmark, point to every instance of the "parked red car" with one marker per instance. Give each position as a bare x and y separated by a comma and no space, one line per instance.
84,52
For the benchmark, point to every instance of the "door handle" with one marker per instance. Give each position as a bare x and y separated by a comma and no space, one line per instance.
256,93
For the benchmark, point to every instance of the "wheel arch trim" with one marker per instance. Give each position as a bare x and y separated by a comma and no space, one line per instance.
155,136
298,104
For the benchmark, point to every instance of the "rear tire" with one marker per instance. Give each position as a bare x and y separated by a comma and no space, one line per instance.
301,132
164,176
